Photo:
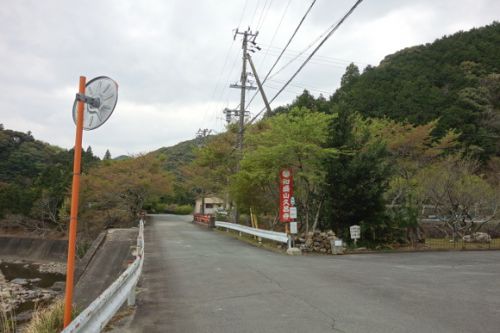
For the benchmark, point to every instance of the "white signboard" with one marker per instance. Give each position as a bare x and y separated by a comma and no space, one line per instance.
355,232
293,212
293,227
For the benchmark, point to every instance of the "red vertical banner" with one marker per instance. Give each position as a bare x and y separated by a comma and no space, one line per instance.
286,193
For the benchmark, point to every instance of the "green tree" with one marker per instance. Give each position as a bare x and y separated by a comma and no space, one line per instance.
293,140
463,200
114,193
357,179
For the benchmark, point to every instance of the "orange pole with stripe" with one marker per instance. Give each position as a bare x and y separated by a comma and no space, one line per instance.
75,191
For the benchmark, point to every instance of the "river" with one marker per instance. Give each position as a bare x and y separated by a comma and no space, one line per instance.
25,285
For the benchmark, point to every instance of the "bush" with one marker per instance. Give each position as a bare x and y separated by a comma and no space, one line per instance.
183,210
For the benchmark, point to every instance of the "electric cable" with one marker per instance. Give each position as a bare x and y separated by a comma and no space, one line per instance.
286,46
339,23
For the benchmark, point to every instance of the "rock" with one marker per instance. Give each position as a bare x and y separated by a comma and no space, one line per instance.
481,237
58,286
35,280
322,250
293,251
477,237
21,282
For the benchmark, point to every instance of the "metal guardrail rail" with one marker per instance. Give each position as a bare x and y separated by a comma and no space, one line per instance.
272,235
95,317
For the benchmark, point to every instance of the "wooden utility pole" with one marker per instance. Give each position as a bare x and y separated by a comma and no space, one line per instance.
247,34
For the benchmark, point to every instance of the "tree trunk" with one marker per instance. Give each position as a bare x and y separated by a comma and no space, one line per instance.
316,218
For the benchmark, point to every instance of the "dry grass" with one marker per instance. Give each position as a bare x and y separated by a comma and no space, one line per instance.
48,319
7,318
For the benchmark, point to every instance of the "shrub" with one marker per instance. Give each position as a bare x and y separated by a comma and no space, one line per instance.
183,210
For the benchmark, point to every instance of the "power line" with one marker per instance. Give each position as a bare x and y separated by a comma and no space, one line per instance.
263,14
254,12
292,53
226,62
286,46
339,23
276,31
291,38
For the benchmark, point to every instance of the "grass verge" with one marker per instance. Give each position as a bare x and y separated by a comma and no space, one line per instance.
48,319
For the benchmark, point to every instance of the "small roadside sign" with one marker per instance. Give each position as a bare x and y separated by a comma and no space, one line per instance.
293,212
355,231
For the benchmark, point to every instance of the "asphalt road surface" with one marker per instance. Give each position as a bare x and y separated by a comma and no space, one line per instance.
196,280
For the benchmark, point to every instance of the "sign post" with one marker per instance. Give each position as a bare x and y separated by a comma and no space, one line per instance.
287,212
90,111
286,194
75,191
355,231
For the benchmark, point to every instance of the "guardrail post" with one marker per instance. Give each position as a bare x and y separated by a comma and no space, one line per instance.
131,297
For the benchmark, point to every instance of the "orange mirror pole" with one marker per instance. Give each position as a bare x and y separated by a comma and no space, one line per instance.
75,190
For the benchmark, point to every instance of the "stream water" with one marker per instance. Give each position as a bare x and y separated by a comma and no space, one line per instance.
26,285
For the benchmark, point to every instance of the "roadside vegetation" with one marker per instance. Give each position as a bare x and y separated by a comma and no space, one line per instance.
413,138
48,319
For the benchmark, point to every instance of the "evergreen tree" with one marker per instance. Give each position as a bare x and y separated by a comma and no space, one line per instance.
107,155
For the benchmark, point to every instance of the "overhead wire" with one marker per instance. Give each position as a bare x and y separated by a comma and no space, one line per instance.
263,15
292,53
224,66
276,31
337,25
285,47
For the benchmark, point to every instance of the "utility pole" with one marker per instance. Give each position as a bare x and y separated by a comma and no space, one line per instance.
247,35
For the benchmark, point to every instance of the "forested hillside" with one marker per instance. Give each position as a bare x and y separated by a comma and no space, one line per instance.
34,177
456,79
35,182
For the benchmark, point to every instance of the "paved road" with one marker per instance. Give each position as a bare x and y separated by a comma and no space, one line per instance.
196,280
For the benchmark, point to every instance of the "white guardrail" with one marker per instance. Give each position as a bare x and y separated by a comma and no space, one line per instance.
95,317
272,235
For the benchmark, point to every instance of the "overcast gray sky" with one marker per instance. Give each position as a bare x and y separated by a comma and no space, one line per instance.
174,59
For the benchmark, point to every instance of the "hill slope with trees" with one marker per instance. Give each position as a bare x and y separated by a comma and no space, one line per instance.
455,79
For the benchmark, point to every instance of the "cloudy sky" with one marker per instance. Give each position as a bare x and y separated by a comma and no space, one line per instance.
174,59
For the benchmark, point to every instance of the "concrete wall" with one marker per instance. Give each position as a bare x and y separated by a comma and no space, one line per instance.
33,248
